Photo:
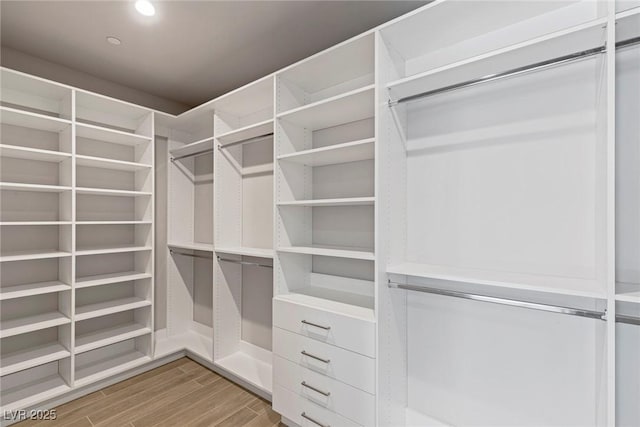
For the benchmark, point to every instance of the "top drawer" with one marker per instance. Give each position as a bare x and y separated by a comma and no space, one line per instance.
350,333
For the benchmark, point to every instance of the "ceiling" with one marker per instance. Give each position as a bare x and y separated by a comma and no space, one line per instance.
191,51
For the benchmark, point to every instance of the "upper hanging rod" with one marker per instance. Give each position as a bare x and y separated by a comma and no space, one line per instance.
171,251
504,301
628,42
497,76
248,140
621,318
235,261
197,153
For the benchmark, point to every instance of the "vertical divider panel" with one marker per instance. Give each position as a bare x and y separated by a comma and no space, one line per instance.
73,217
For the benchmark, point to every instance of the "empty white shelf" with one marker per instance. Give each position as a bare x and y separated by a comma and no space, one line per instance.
247,132
23,325
27,153
85,130
109,336
255,252
341,297
349,201
31,357
16,186
27,119
256,372
33,393
113,222
110,367
195,246
106,279
90,311
112,250
528,282
23,223
334,154
103,163
190,340
344,309
111,192
345,108
19,291
628,292
29,255
331,251
194,147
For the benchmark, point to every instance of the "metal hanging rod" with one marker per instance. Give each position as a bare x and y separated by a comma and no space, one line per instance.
629,42
621,318
591,314
235,261
171,251
497,76
197,153
248,140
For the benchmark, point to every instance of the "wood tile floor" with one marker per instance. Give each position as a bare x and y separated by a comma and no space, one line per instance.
181,393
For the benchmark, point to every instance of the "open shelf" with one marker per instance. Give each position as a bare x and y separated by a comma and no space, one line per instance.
348,201
15,117
23,223
109,307
348,107
28,153
132,222
19,291
334,154
194,246
33,393
28,255
109,367
23,325
106,279
102,163
255,252
32,357
100,133
628,292
110,192
330,251
247,132
105,337
256,371
547,284
190,340
15,186
112,250
345,309
194,147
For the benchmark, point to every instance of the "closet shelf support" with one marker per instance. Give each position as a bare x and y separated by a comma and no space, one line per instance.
591,314
247,141
171,251
253,264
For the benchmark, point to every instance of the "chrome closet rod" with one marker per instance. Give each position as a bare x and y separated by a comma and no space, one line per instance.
235,261
621,318
628,42
497,76
248,140
171,251
592,314
197,153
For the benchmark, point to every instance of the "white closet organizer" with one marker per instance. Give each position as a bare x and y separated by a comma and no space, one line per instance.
324,341
190,238
243,273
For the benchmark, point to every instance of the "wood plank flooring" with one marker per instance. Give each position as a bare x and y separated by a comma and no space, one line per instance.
181,393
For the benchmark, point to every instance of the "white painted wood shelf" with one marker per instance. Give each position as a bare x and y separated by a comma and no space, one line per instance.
90,311
107,368
102,338
28,153
30,223
348,201
330,251
32,357
105,134
111,192
250,369
111,250
23,325
246,132
27,119
29,289
246,251
628,292
107,279
17,186
194,246
194,147
33,254
333,154
30,394
104,163
134,222
344,309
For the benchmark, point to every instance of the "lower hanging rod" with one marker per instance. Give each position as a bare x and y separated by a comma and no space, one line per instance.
591,314
253,264
632,320
247,141
171,251
197,153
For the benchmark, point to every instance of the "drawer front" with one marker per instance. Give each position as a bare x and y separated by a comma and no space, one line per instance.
335,362
343,399
346,332
291,406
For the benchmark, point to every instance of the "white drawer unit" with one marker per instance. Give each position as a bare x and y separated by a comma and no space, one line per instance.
333,395
304,412
350,333
343,365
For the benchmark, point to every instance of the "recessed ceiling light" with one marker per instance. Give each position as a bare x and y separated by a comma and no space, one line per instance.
145,7
114,40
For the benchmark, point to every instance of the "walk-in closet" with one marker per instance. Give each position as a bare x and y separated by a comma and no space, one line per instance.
433,222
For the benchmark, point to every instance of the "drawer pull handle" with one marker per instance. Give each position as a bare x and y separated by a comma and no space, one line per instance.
326,328
304,415
324,393
313,356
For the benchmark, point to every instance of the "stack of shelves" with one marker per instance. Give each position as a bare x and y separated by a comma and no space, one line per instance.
36,245
243,277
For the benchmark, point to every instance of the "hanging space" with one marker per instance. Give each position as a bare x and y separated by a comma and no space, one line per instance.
496,210
243,272
324,345
36,240
189,291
